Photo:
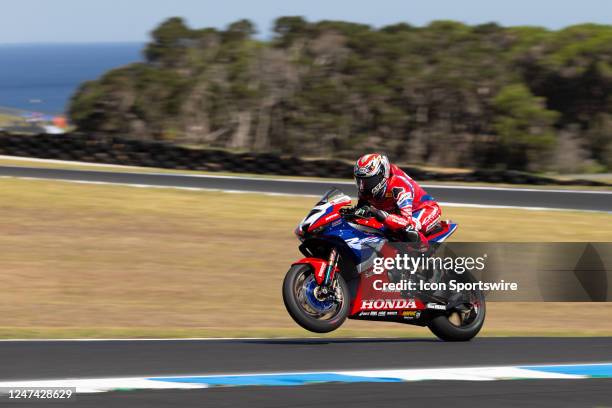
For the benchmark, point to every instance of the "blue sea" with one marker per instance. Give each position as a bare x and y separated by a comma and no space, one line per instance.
43,77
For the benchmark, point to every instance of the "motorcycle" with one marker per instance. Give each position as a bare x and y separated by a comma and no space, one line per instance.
337,279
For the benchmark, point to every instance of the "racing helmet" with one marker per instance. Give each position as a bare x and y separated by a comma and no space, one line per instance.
371,173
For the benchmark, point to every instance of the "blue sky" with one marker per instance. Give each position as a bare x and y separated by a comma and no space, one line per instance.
131,20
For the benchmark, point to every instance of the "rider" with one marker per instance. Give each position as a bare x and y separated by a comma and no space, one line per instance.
393,198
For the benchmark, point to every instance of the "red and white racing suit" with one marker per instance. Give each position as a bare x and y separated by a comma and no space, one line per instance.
407,203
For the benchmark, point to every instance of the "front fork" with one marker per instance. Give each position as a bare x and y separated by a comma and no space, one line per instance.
327,285
330,271
324,272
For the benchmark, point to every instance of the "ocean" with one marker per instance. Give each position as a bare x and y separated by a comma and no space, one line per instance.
43,77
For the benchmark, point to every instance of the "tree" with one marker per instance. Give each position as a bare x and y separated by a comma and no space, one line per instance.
501,96
239,30
168,43
523,125
288,29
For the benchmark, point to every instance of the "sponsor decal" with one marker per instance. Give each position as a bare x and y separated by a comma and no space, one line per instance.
321,272
382,313
433,214
357,243
404,203
412,314
331,217
388,304
436,306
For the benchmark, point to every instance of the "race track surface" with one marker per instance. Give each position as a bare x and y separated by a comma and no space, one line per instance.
455,394
514,197
83,359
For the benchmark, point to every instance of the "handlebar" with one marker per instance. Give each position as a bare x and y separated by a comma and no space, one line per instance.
349,212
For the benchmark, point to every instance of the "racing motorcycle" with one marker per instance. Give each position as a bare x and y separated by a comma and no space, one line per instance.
337,279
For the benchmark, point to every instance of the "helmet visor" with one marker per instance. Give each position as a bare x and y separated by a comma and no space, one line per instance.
366,185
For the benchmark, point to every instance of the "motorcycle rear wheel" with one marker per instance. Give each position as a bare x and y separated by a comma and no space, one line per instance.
454,326
311,313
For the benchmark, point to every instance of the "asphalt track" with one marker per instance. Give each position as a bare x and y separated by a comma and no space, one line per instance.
514,197
82,359
90,359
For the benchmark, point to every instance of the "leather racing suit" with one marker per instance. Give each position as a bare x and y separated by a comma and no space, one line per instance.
407,204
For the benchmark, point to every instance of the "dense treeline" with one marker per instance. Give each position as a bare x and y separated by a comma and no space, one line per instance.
445,94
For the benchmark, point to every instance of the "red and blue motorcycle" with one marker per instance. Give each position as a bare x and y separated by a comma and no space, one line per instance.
337,278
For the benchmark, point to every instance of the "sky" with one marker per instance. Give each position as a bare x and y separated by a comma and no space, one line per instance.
32,21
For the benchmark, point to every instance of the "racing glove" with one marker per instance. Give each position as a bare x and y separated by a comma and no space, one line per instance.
369,211
380,215
363,211
412,235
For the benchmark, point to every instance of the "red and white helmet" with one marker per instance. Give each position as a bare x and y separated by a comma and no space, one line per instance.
372,172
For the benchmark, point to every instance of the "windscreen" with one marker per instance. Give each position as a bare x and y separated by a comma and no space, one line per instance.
332,195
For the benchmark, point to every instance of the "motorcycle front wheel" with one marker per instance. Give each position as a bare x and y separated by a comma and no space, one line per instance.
308,306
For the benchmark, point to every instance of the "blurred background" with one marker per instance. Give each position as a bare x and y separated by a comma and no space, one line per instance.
450,89
523,86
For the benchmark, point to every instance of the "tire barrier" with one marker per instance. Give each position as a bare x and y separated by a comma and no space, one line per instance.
132,152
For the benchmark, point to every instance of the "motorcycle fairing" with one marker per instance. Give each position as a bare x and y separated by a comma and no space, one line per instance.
364,240
319,266
447,229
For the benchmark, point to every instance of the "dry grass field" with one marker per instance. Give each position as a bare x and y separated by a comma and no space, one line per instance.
81,260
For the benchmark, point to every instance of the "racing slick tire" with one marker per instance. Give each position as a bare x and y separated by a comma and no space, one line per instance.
446,330
302,307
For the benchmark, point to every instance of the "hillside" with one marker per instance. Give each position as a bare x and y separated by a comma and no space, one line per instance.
446,94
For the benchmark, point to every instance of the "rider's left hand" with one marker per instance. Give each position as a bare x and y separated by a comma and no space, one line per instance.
363,211
380,215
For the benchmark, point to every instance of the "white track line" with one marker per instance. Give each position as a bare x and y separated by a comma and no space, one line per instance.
229,191
510,207
539,190
67,162
289,180
478,373
103,183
